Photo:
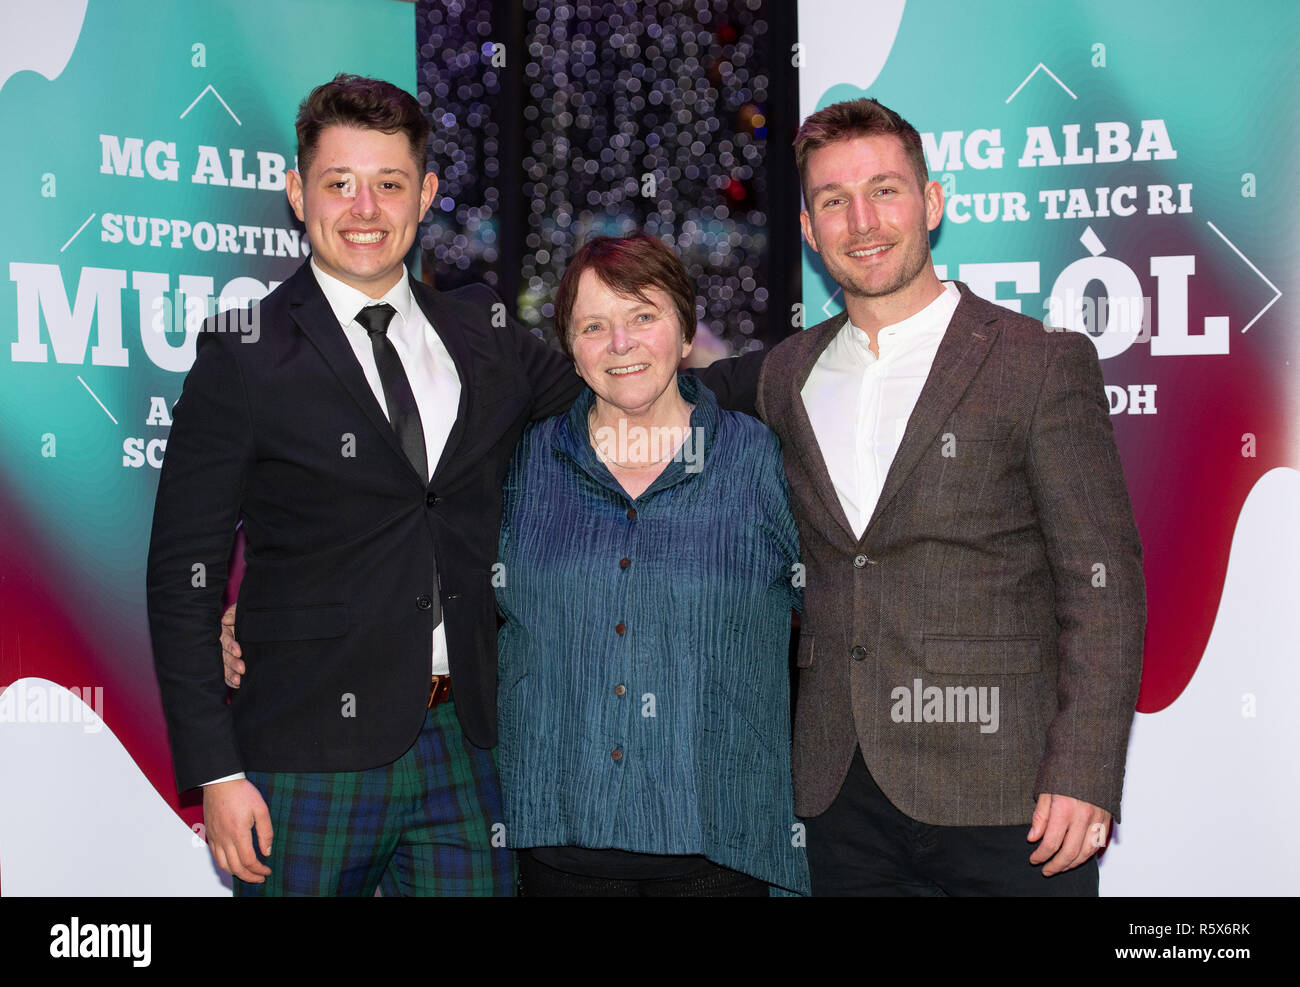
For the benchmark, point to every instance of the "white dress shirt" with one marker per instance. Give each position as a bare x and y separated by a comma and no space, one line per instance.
859,403
429,369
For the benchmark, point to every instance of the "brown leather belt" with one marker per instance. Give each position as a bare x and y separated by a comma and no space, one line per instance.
439,690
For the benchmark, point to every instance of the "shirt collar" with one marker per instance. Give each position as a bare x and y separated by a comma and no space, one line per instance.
572,440
930,321
346,301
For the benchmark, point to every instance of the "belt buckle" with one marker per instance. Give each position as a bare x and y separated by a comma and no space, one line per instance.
439,690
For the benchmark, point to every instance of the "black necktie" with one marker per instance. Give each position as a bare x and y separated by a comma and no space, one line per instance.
403,413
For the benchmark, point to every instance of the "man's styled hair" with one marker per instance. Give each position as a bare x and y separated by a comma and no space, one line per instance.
628,265
856,118
368,104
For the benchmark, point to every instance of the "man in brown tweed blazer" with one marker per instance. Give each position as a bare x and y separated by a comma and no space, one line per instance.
974,602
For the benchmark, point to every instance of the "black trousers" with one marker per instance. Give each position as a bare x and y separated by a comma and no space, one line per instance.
862,845
708,880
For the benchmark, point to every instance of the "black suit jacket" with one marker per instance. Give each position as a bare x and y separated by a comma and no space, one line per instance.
279,428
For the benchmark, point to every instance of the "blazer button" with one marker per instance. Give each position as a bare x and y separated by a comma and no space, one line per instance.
624,563
859,653
861,561
424,602
620,628
616,755
430,499
620,690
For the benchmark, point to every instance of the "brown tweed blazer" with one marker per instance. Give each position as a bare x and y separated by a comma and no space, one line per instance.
1002,555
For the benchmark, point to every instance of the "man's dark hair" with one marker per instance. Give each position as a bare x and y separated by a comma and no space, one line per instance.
856,118
628,265
368,104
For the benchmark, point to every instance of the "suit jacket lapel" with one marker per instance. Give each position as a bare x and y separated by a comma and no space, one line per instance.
961,352
311,312
805,438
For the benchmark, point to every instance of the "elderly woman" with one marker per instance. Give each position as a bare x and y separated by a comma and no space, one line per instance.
647,564
648,550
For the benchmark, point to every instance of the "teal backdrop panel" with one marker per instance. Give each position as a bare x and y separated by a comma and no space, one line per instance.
1126,170
144,160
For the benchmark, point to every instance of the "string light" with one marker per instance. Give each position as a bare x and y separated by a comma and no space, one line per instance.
460,90
633,114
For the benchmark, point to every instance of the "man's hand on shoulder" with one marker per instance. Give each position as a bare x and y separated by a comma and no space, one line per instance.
230,811
1071,831
734,381
230,650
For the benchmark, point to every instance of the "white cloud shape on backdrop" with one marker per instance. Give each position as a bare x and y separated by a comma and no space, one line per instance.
39,37
78,818
1212,792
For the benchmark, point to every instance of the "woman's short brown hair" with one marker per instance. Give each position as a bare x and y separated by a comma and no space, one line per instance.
628,265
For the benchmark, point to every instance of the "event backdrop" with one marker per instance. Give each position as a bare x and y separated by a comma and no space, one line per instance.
1127,170
145,151
144,162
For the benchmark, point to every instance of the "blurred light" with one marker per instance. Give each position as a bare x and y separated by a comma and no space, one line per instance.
646,114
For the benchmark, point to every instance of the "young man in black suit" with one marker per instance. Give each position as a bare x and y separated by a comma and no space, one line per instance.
361,435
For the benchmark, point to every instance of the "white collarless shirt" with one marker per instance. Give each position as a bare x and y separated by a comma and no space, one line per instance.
429,369
859,404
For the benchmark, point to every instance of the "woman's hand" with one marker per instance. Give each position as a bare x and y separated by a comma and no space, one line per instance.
230,650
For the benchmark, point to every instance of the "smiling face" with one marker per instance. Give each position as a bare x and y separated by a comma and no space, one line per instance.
627,349
870,220
361,201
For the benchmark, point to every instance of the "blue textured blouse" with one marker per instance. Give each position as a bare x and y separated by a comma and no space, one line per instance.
644,686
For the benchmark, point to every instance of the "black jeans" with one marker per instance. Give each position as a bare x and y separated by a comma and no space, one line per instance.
862,845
